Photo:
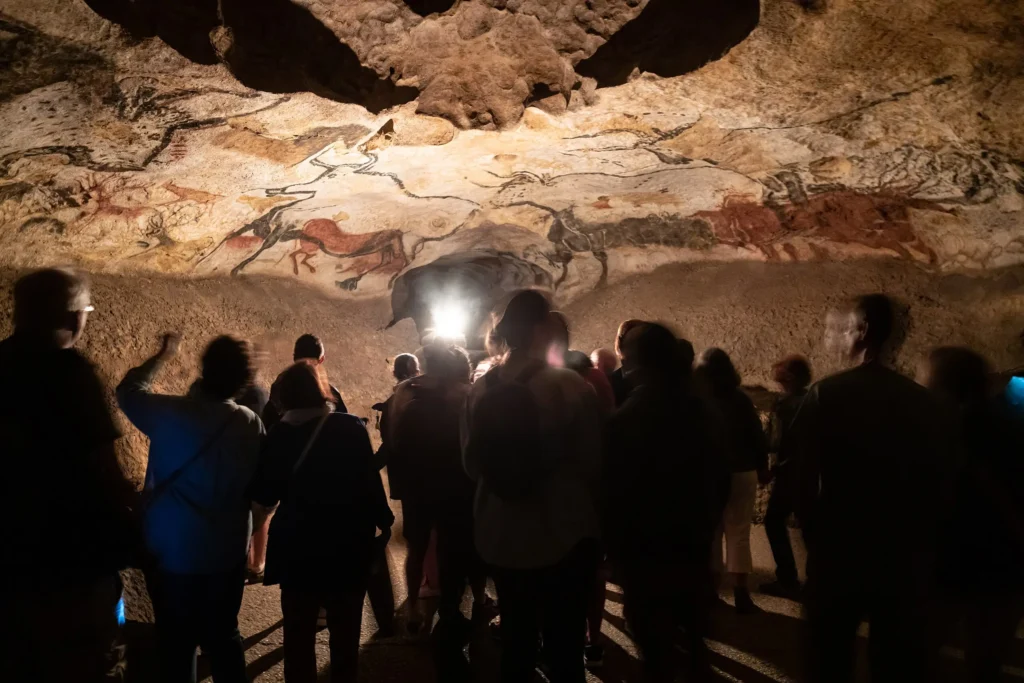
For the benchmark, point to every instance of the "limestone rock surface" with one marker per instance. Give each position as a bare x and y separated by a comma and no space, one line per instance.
346,143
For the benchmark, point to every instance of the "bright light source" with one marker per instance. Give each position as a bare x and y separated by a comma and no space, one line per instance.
450,320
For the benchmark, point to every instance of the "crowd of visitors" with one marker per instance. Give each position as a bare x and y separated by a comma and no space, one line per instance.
548,470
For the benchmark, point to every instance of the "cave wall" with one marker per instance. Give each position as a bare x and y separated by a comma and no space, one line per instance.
834,131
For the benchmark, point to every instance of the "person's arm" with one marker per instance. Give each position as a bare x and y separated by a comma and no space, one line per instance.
804,437
774,429
267,486
339,402
757,441
94,426
135,392
616,482
376,498
470,462
589,435
272,411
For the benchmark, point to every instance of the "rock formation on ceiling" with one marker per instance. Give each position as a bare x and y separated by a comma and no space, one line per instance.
346,143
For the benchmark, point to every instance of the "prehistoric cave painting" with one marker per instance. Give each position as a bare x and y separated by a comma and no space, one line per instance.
324,235
381,252
878,221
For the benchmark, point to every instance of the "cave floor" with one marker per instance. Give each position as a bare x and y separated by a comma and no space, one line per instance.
760,648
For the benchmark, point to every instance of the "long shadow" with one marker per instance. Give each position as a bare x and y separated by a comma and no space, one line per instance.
619,665
185,25
279,46
257,637
275,46
672,37
758,648
613,596
264,663
776,640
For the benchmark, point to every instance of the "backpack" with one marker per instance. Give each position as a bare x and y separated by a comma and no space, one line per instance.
506,437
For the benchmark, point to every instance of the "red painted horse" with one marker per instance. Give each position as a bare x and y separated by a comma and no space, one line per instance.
323,234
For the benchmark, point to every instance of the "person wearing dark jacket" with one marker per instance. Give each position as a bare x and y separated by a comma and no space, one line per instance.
746,451
425,464
663,501
619,378
310,349
874,454
793,375
70,531
317,470
981,558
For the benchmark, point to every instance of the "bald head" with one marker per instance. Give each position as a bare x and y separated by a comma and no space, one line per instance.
870,326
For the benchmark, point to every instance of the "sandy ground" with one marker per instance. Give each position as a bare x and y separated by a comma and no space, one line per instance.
761,648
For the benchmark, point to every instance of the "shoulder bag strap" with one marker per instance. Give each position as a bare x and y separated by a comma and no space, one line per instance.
309,444
165,485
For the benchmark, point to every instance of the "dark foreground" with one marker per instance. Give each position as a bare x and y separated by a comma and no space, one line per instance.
761,648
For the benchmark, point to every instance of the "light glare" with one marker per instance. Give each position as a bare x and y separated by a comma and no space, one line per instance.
450,320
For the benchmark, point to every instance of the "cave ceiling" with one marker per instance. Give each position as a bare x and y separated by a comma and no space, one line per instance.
347,143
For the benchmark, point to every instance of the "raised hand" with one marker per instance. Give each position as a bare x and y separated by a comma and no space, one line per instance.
169,346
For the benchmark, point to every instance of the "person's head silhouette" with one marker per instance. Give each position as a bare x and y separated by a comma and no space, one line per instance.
406,366
525,326
869,327
309,347
227,368
792,373
51,307
959,374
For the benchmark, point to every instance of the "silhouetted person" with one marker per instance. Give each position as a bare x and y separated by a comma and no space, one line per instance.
687,356
872,465
793,375
746,451
255,397
560,355
426,462
605,360
534,448
308,348
406,366
380,589
982,554
664,501
620,378
318,465
203,450
69,532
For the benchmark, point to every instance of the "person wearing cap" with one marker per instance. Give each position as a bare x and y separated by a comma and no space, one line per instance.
72,532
